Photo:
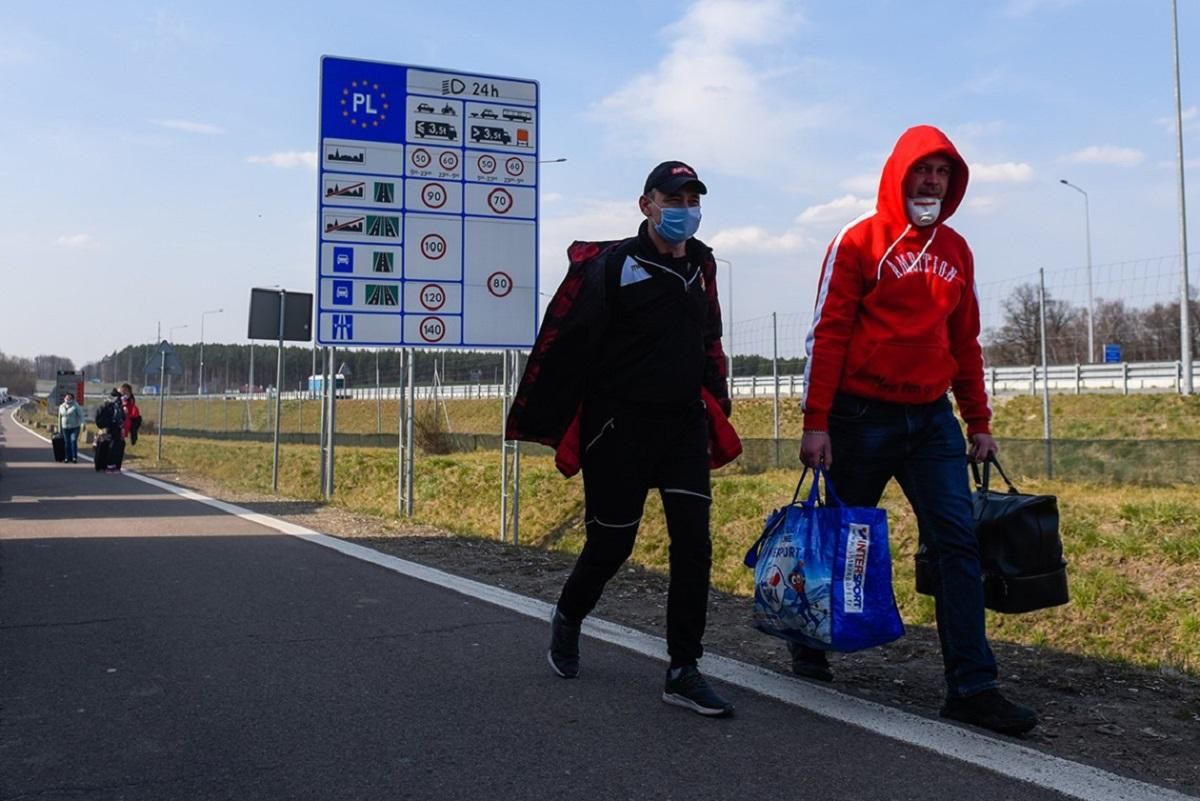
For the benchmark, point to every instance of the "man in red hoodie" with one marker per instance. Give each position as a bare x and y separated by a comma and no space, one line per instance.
896,324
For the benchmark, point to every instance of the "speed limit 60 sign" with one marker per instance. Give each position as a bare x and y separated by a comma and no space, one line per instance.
428,208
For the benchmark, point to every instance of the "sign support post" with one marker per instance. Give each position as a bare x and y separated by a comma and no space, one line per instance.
162,371
278,395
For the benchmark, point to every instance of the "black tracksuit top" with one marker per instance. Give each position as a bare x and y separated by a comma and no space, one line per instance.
653,356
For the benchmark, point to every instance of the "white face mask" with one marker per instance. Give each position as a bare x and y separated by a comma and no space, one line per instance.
923,211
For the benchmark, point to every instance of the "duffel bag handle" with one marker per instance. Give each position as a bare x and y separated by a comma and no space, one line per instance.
982,484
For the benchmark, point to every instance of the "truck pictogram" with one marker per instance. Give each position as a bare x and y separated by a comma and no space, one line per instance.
490,134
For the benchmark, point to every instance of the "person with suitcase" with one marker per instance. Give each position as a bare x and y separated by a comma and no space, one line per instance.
70,420
110,445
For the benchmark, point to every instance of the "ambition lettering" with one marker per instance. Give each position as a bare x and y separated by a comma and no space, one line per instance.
908,263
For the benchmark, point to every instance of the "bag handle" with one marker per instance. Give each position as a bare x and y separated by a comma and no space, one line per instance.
814,499
982,485
814,492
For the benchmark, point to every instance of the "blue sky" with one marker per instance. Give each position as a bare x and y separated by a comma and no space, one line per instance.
160,157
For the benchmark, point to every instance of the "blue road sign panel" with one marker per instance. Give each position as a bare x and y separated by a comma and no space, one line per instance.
427,207
1112,354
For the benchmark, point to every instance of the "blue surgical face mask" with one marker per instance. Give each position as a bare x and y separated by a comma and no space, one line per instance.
678,225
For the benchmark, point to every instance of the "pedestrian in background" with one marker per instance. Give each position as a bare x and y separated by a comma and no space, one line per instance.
70,420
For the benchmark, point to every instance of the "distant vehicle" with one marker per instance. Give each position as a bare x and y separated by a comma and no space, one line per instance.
424,108
490,134
518,116
488,114
449,110
316,382
3,394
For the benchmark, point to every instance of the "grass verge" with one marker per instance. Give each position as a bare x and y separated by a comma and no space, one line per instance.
1134,552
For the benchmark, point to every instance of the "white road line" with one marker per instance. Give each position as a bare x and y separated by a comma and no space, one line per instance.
1001,756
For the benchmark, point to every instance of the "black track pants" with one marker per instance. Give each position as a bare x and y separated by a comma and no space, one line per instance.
625,455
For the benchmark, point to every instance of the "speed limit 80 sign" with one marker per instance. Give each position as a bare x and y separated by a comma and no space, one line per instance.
428,211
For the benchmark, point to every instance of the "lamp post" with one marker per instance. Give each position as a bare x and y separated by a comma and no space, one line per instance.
1185,326
202,315
1087,227
729,307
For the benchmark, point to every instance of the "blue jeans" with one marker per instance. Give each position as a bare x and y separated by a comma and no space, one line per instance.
922,447
71,442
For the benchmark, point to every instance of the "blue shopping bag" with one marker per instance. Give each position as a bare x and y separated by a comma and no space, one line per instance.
823,573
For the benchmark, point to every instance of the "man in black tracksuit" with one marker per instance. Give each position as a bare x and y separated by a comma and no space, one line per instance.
652,336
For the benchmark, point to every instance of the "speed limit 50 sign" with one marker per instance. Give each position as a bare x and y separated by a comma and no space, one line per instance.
427,207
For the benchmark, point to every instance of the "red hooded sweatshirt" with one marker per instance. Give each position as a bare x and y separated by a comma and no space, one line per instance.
897,317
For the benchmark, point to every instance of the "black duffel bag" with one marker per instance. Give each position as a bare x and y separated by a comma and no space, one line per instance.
1020,549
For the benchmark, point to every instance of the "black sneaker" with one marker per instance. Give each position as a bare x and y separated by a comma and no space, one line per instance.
564,645
690,691
991,710
809,662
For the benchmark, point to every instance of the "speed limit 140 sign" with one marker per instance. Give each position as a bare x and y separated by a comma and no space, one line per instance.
427,208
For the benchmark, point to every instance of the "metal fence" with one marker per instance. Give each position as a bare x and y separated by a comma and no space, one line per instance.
1119,378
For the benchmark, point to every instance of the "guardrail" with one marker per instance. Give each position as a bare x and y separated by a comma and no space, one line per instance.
1124,378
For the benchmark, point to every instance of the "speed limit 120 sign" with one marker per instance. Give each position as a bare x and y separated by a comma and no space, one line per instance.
427,195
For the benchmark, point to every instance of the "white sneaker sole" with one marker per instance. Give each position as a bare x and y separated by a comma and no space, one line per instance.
554,667
687,703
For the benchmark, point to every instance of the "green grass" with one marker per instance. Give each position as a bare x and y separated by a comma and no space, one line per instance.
1073,417
1134,551
1134,571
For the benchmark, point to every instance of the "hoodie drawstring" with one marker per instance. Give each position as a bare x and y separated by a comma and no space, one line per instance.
891,247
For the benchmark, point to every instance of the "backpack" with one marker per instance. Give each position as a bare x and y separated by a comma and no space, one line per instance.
106,415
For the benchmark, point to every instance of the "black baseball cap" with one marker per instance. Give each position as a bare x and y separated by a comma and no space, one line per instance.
671,176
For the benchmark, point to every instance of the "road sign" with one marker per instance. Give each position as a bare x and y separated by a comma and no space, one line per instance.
427,195
1112,354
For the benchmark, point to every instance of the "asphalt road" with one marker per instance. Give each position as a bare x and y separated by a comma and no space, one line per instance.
152,647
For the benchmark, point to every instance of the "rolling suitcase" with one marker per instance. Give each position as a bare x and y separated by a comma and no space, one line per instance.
59,444
103,450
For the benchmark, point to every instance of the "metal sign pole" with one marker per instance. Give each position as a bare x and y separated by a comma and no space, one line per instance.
516,496
321,423
409,451
331,420
162,371
504,451
401,445
278,395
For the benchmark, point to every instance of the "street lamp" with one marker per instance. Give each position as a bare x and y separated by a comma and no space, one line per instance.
202,314
729,306
1087,227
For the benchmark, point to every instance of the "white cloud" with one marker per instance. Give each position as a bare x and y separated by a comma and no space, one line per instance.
1106,154
189,126
981,204
287,159
864,184
1024,8
752,238
714,94
74,241
1004,172
838,211
1191,116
